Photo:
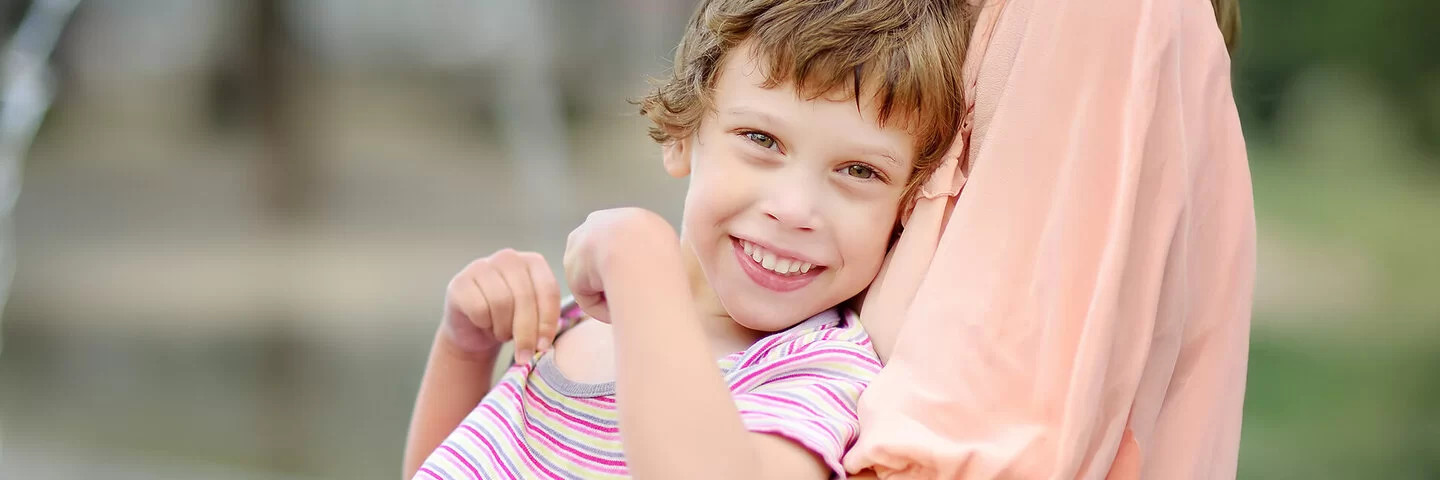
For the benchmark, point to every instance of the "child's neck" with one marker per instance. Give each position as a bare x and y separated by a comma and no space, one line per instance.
724,334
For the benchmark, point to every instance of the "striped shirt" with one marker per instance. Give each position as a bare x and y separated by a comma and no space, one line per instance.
801,384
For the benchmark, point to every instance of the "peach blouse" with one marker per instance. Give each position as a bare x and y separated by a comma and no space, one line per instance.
1071,295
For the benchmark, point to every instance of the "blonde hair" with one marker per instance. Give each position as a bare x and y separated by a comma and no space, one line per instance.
909,52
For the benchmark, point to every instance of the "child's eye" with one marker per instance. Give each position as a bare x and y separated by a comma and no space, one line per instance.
861,172
763,140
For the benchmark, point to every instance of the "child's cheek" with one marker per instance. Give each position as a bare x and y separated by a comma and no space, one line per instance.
866,242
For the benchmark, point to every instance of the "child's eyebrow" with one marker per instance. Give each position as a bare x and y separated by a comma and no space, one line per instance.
885,154
874,151
760,116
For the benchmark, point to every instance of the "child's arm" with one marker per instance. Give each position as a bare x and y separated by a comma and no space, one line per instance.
677,416
508,295
454,382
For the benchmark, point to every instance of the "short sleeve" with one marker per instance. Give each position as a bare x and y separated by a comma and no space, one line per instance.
806,389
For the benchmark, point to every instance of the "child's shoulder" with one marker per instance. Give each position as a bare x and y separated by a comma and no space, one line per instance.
586,352
832,339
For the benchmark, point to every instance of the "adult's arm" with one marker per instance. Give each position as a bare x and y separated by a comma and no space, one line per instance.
1086,311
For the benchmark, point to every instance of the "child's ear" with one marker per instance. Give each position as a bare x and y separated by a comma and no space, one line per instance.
676,157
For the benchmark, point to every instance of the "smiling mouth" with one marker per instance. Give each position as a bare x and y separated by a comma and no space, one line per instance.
773,271
778,264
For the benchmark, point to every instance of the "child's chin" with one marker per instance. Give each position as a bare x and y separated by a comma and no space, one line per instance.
764,316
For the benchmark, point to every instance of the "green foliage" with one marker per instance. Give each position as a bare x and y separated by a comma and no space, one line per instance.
1393,41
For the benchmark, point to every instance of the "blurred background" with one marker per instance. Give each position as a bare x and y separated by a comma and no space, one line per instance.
238,218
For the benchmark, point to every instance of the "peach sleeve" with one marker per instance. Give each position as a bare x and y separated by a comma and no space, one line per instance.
1075,285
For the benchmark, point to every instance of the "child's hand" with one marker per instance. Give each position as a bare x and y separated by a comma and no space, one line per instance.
608,238
506,295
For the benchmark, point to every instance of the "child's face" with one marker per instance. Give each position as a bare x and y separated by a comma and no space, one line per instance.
809,187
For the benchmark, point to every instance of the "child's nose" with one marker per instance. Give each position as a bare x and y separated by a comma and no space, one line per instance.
792,204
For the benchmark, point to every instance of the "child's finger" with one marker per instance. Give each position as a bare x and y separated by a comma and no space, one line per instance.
584,284
500,302
547,299
462,299
467,316
523,324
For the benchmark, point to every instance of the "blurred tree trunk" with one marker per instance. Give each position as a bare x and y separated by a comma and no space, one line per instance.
288,173
287,178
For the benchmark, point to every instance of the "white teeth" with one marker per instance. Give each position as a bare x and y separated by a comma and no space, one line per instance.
780,265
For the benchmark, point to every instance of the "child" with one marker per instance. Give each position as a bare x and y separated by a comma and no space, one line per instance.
724,351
